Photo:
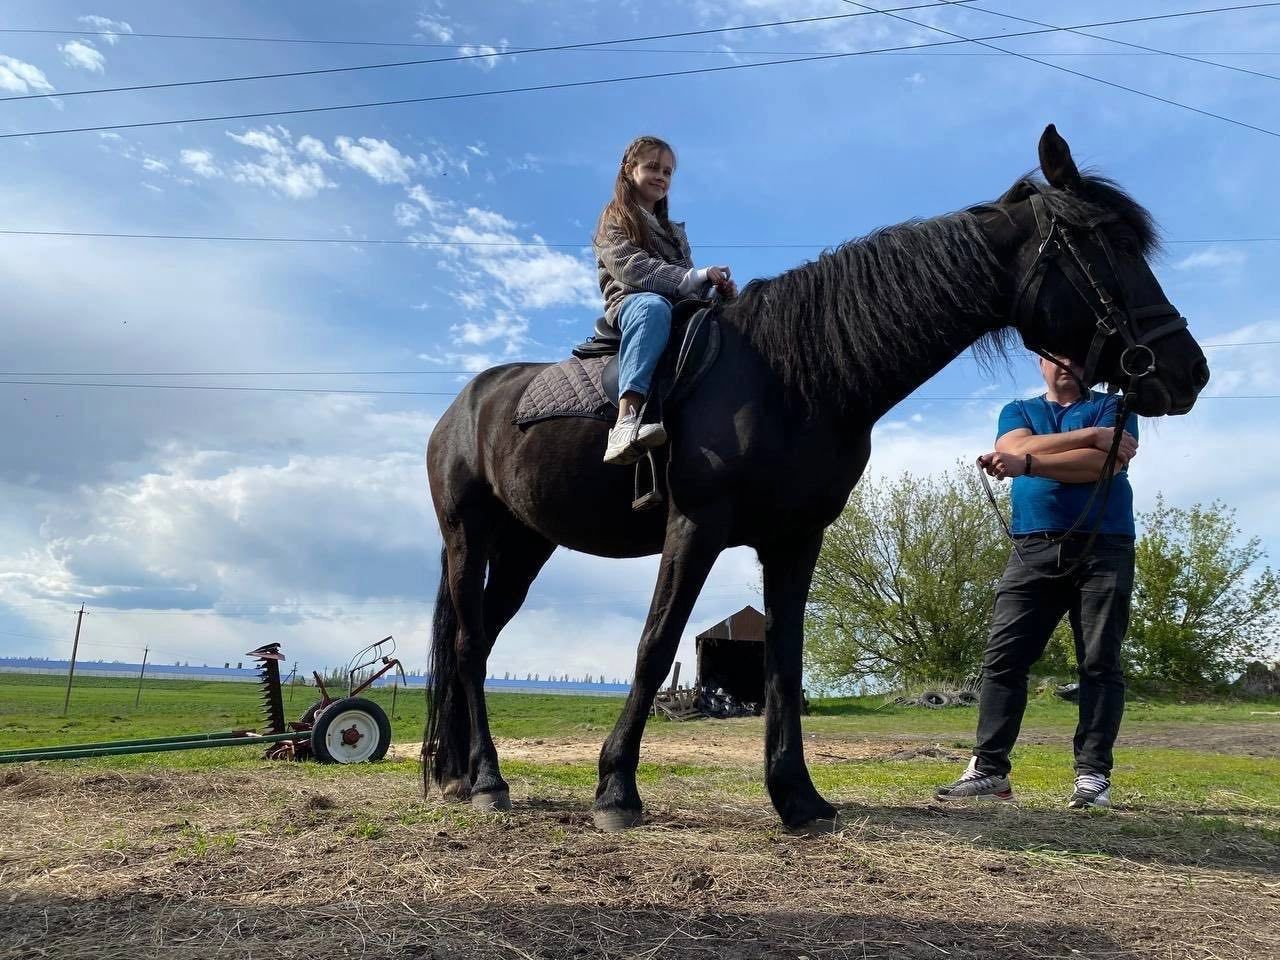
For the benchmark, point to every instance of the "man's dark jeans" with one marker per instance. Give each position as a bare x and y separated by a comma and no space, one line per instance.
1030,600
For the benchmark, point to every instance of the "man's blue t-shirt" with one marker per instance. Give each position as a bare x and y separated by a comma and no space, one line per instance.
1041,505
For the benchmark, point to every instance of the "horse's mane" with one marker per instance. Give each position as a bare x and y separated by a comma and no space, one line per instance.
870,311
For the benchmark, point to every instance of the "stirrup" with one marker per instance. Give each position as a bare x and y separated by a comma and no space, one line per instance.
647,499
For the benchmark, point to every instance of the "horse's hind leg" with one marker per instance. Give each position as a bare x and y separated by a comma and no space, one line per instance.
515,558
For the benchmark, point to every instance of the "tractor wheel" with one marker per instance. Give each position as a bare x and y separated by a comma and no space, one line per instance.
354,730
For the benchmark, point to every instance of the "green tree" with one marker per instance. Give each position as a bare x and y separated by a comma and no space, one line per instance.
1198,615
904,584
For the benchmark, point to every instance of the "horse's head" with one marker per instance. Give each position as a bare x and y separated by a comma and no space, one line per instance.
1084,288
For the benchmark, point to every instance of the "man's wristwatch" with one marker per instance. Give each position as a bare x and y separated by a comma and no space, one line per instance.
1028,470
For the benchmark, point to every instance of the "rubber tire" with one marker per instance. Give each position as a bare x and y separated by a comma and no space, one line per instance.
965,698
309,715
320,749
934,699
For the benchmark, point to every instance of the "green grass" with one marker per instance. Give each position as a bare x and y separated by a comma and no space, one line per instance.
103,709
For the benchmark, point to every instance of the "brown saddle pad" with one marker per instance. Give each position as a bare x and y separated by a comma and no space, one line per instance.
570,388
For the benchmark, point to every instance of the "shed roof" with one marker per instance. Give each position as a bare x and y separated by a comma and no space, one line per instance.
746,624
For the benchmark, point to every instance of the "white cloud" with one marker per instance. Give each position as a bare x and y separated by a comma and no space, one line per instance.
477,149
406,215
502,326
438,28
487,55
17,76
1212,258
916,79
152,165
418,194
110,28
200,162
488,220
379,159
83,56
313,149
277,166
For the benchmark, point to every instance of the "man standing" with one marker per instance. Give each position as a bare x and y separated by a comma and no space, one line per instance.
1054,447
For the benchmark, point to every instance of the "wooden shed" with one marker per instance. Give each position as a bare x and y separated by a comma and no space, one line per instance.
731,656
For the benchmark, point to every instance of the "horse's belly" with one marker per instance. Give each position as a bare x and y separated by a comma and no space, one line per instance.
556,483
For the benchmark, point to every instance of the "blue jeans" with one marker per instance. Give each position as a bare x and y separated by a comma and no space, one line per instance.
645,320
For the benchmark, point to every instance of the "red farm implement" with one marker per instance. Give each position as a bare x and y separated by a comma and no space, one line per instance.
346,729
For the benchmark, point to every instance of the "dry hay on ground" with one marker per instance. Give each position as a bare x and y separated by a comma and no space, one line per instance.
297,861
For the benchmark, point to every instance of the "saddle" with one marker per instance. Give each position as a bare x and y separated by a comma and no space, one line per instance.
586,385
691,349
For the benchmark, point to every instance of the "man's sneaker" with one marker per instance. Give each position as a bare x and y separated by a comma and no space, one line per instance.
1092,790
975,785
630,439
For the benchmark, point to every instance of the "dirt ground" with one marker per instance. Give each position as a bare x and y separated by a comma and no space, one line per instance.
738,743
303,861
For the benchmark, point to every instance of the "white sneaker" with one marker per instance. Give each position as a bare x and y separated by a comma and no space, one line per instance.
975,785
630,439
1092,790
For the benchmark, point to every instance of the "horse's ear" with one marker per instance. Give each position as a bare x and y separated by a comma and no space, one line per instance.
1055,160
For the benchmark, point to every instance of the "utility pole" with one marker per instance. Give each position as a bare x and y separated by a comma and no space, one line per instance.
138,698
293,680
75,646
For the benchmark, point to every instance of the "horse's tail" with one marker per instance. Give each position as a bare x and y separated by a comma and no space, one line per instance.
444,742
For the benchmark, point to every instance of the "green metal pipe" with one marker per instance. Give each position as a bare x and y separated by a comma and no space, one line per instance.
78,752
183,738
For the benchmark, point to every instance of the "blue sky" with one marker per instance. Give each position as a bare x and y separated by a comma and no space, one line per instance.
203,523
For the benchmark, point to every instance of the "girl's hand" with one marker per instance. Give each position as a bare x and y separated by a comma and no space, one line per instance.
721,278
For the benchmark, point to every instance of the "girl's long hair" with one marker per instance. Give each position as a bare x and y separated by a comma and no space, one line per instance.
624,209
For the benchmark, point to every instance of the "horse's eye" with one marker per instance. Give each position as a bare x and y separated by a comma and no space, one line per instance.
1126,246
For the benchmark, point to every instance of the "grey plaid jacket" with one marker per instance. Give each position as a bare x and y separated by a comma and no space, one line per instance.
625,268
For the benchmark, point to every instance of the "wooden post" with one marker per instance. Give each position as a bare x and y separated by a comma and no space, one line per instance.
675,677
138,698
293,679
75,647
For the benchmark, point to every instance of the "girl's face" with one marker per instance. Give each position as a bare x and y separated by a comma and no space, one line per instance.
651,175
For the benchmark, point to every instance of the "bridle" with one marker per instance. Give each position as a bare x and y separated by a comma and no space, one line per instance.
1114,315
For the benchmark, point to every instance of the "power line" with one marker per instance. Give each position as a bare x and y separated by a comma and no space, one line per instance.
418,393
577,84
504,52
981,41
1125,43
388,43
499,244
586,49
219,387
416,373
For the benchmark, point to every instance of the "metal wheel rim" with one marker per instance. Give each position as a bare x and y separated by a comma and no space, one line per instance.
360,751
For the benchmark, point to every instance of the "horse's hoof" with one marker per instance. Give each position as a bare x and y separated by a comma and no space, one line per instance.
495,801
615,819
818,826
457,790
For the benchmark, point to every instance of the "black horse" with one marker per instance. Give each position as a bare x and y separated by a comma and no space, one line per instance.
767,449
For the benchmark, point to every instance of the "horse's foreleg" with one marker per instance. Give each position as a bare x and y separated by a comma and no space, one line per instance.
788,571
690,550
